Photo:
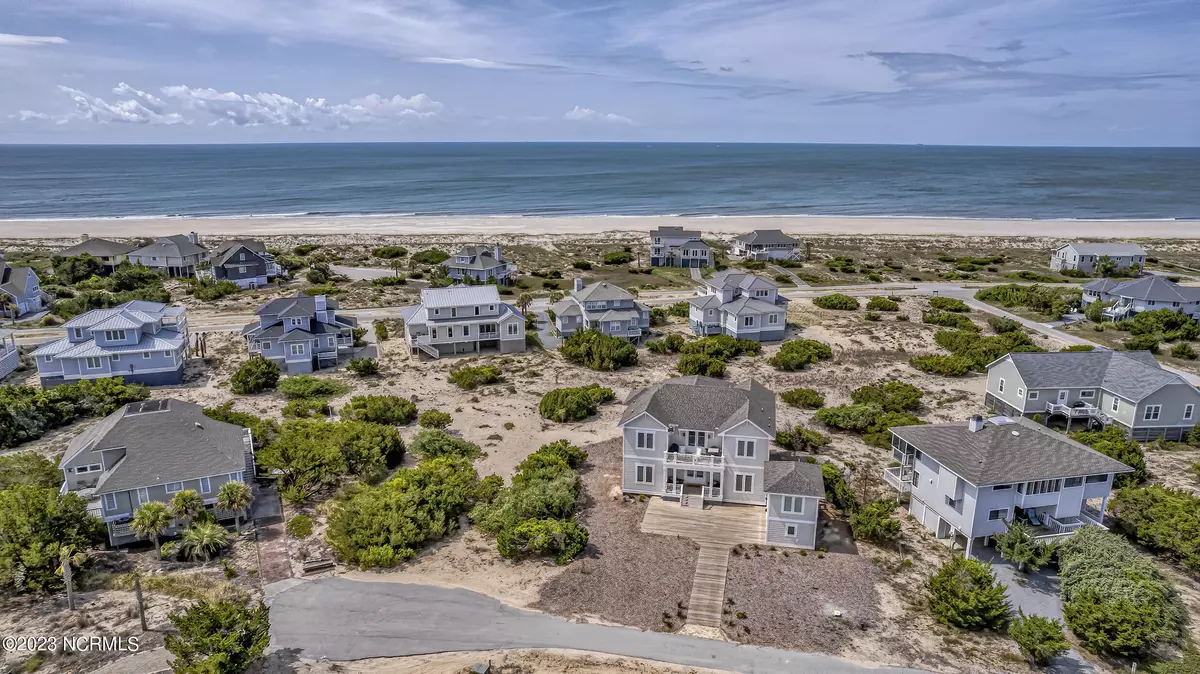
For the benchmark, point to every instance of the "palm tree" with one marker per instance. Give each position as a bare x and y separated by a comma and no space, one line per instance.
235,496
68,558
523,301
150,521
204,539
185,505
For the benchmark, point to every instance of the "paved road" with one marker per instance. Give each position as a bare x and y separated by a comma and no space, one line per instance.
342,619
361,273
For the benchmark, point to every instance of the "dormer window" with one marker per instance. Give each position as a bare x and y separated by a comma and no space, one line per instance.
114,335
77,332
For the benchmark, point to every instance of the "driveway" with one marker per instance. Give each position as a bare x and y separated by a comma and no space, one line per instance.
342,619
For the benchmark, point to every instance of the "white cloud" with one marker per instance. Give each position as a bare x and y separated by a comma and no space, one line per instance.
129,111
10,40
268,109
468,63
578,114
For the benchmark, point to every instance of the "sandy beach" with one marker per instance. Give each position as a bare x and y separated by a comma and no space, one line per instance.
268,225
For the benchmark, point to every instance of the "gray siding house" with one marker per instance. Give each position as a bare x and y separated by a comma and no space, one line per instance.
245,262
110,253
604,307
766,244
175,256
739,305
1126,388
143,342
1148,293
10,357
149,451
480,263
1085,256
20,291
707,441
300,334
678,247
462,319
967,481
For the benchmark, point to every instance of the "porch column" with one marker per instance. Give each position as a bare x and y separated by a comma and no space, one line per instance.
1104,506
969,542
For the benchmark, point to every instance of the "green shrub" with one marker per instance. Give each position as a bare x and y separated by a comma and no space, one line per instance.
434,419
262,430
723,347
796,354
878,434
668,344
561,539
850,417
1112,442
218,636
801,439
27,413
1079,347
874,521
28,468
583,265
381,331
207,290
430,257
882,304
837,491
1040,639
1162,519
679,310
619,257
946,366
431,443
1141,343
872,316
305,249
803,398
254,376
965,593
308,387
1003,324
949,304
363,367
311,454
700,364
300,526
1018,545
469,377
1188,663
302,408
389,252
1184,350
982,350
598,351
388,281
836,301
35,523
1052,302
948,319
892,396
383,409
574,404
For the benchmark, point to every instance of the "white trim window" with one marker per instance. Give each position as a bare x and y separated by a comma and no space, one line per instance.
745,448
173,487
147,355
1152,413
1001,514
93,363
143,496
235,477
1020,392
1000,385
793,505
773,318
644,474
789,530
1033,395
748,321
743,482
90,468
1088,394
1116,404
297,349
114,335
513,329
115,357
110,502
645,440
1188,411
205,485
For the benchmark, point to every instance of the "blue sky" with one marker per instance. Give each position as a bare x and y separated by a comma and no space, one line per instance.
1029,72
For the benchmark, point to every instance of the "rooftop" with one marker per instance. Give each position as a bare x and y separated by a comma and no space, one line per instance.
766,236
1130,374
176,245
1112,249
798,478
703,403
602,291
96,248
1154,288
459,296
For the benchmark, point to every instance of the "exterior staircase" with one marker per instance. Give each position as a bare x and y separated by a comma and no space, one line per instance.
428,349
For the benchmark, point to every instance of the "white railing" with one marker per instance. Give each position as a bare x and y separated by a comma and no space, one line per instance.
695,459
900,477
1083,411
673,489
1093,518
1061,528
712,492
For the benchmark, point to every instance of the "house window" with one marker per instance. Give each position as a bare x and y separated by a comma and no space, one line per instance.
146,354
1020,392
761,293
790,530
1188,410
1088,394
173,487
745,448
1001,487
433,333
93,363
241,256
1001,514
1072,482
513,328
772,318
1096,479
48,359
793,504
645,440
332,341
476,311
917,453
115,357
235,477
90,468
1033,395
453,312
1000,386
266,345
110,502
205,485
1116,404
449,332
743,483
645,475
78,332
1153,412
114,335
466,331
748,321
950,501
916,481
297,349
241,270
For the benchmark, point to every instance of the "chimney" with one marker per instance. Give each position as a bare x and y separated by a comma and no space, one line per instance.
975,424
496,254
194,237
83,237
320,302
578,284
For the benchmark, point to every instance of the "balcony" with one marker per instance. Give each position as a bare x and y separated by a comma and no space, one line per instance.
676,489
715,460
1056,527
900,477
1084,411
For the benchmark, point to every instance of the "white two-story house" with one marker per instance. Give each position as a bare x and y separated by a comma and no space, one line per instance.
739,305
149,451
460,320
144,342
678,247
967,480
700,440
766,244
480,263
604,307
1086,256
1126,388
301,334
1148,293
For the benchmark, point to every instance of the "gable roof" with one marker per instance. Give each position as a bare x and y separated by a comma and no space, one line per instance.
482,258
703,403
225,253
766,236
297,305
96,248
738,279
130,314
602,291
673,231
798,478
1101,284
1155,288
459,296
176,245
1130,374
14,280
170,445
1110,249
1007,450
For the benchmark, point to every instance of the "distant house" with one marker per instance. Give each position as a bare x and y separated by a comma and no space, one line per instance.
300,334
968,480
678,247
601,306
1142,294
480,263
109,253
1085,256
462,319
175,256
765,244
245,262
10,357
20,291
1125,388
149,451
699,440
144,342
739,305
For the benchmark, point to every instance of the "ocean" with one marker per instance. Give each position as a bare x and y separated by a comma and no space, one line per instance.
547,179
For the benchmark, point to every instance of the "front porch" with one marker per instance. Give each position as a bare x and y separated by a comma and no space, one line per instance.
693,479
722,524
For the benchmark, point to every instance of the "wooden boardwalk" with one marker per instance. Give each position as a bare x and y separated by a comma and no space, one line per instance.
708,585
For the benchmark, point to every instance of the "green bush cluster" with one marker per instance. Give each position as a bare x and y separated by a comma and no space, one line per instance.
868,419
218,636
28,468
308,387
381,409
982,350
388,281
36,523
363,367
892,396
1141,343
1003,324
535,515
262,430
434,419
574,404
27,412
1112,442
801,439
1184,350
882,304
300,526
837,491
598,351
679,310
965,593
946,366
948,319
836,301
669,344
207,290
1040,639
254,376
701,364
1115,600
126,283
431,256
582,265
1079,347
470,377
1162,519
952,304
1052,302
803,398
305,248
874,521
431,443
1163,324
389,252
311,454
618,257
709,356
797,354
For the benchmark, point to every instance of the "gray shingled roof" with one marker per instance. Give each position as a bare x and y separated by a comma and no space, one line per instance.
602,291
177,444
1110,249
738,279
748,305
176,245
705,301
482,258
702,403
1101,284
1013,450
14,280
307,305
96,248
675,231
1130,374
766,236
798,478
224,254
1155,288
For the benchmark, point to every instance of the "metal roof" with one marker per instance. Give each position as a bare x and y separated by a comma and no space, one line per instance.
1110,249
766,236
459,296
602,291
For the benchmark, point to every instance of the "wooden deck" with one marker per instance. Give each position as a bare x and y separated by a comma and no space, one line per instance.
725,525
708,585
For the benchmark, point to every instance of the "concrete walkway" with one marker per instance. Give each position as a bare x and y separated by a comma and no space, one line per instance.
788,272
708,585
696,274
341,619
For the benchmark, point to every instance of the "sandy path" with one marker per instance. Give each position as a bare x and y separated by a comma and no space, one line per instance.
1177,229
